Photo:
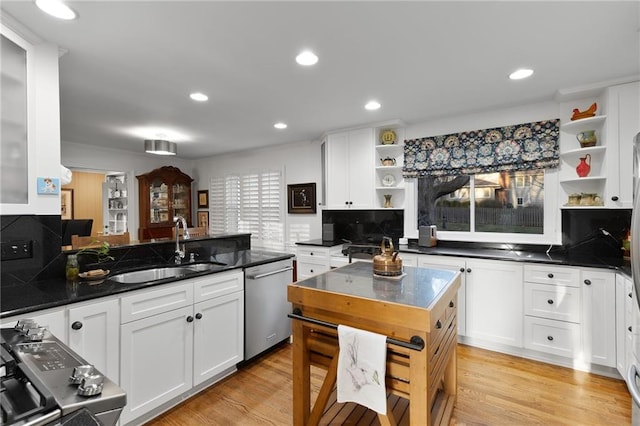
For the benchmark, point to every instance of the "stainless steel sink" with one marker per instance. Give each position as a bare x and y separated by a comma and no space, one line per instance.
164,272
153,274
205,267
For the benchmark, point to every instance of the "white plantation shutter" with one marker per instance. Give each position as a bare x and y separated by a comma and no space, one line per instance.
216,206
251,203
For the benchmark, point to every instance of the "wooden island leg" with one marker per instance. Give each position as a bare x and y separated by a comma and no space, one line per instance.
301,375
419,410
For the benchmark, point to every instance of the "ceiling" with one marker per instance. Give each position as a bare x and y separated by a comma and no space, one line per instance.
129,66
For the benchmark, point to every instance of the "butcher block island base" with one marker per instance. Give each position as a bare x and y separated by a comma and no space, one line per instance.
416,313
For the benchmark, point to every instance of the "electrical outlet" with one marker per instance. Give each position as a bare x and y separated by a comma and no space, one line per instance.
12,250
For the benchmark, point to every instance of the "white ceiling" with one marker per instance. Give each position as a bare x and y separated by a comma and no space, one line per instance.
131,65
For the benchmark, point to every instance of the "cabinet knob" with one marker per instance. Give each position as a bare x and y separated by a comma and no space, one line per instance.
311,270
630,295
550,275
350,203
614,198
346,203
587,282
77,325
311,254
468,270
451,304
461,269
198,315
438,325
550,338
630,329
550,301
189,318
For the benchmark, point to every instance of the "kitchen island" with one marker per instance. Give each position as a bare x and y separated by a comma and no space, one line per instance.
417,313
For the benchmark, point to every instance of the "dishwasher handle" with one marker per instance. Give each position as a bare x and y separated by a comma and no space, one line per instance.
631,384
266,274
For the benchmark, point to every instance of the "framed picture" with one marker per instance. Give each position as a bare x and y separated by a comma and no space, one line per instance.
66,203
301,198
203,199
203,219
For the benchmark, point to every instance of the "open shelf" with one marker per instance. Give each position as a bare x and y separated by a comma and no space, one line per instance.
577,126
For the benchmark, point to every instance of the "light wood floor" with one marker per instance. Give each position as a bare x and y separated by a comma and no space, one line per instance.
493,389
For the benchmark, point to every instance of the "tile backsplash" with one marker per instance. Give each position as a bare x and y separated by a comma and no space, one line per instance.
44,232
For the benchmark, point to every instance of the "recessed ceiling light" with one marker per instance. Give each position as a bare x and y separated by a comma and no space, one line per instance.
520,74
280,126
307,58
200,97
56,8
372,105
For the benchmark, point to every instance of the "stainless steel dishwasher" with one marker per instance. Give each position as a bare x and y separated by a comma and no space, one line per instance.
266,306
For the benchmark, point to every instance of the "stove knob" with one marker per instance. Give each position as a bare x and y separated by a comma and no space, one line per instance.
35,334
80,372
91,385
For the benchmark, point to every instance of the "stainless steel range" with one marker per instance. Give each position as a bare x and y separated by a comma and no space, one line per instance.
43,382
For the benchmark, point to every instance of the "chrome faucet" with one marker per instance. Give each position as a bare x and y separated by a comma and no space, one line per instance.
180,252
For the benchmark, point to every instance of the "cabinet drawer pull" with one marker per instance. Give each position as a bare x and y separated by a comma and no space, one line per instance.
587,282
550,338
77,325
438,324
189,318
550,275
614,198
451,304
550,301
198,315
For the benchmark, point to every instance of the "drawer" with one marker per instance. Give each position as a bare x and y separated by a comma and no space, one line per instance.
146,303
551,336
219,284
550,274
312,251
552,301
306,269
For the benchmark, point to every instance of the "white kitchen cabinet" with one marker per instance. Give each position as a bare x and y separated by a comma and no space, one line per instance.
312,260
625,305
349,170
219,324
494,301
598,316
156,356
553,310
450,264
54,320
623,109
94,333
178,336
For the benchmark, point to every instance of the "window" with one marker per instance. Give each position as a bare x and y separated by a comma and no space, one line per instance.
504,202
250,202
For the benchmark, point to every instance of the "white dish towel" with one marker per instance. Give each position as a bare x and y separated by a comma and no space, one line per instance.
361,368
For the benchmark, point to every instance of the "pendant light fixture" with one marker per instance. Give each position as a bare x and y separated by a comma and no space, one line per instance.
160,147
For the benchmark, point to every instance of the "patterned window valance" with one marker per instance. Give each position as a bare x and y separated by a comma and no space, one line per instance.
524,146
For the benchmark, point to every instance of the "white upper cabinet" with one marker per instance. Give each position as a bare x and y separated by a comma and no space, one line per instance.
349,170
30,120
623,105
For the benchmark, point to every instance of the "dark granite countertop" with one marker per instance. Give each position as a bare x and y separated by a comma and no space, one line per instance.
513,252
21,298
416,287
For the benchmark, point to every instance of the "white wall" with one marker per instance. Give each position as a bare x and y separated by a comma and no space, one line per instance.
78,156
300,163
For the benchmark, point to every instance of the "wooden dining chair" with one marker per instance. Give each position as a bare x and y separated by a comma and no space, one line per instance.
78,242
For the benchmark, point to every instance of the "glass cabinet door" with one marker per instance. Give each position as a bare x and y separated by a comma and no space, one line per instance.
159,202
180,200
13,140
